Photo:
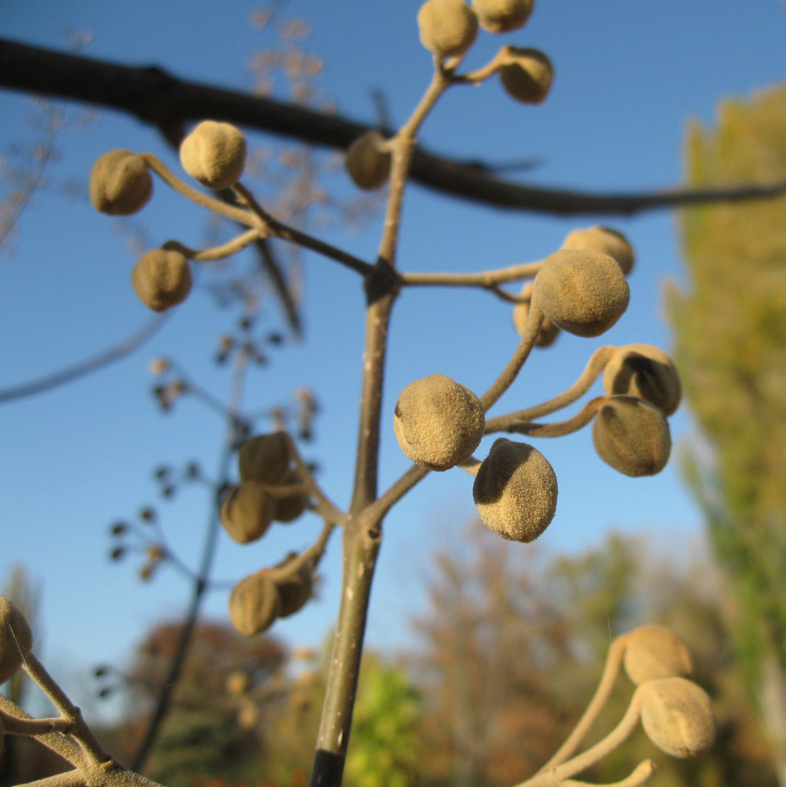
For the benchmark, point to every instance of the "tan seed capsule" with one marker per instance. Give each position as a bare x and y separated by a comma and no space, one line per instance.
677,716
264,458
254,604
368,162
16,639
646,372
583,292
288,509
120,183
246,512
526,75
654,652
438,422
515,491
214,154
502,16
548,331
605,240
632,436
448,28
295,592
162,279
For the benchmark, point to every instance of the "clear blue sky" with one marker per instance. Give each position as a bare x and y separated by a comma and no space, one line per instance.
629,75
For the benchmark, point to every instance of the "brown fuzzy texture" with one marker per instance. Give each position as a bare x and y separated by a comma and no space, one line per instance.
246,512
632,436
162,279
16,638
264,458
527,75
677,716
646,372
605,240
214,154
548,331
367,161
254,604
120,183
583,292
448,28
654,652
438,422
515,491
502,16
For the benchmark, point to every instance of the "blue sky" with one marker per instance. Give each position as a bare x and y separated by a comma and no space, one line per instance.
629,75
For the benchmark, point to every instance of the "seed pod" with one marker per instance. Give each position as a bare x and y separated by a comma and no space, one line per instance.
646,372
526,75
214,154
254,604
548,331
16,639
448,28
367,161
605,240
502,16
246,512
438,423
162,279
632,436
295,592
264,458
288,509
677,716
120,183
654,652
582,292
515,491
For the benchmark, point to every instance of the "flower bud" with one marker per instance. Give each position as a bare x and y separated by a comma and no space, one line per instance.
605,240
526,75
502,16
677,716
632,436
120,183
214,154
448,28
548,331
264,458
582,292
438,423
16,639
162,279
254,604
246,512
288,509
646,372
515,491
654,652
368,162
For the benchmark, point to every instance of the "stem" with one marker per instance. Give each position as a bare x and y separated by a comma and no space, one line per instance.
561,428
218,252
637,777
482,279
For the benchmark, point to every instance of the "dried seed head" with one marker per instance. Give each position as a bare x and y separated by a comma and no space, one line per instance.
254,604
654,652
632,436
246,512
162,279
264,458
448,28
515,491
368,162
438,423
502,16
120,183
288,509
677,716
646,372
214,154
605,240
237,682
526,75
16,639
583,292
548,331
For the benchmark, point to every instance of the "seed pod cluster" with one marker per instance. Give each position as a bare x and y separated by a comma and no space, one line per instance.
605,240
502,16
214,154
120,183
583,292
646,372
264,459
162,279
448,28
653,652
515,491
438,422
247,511
526,75
288,509
548,331
16,639
368,162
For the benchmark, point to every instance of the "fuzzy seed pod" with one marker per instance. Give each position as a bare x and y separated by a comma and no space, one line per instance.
288,509
502,16
605,240
246,512
583,292
646,372
368,162
548,331
515,491
295,592
526,75
120,183
214,154
677,716
254,604
264,458
632,436
16,639
448,28
162,279
654,652
438,423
